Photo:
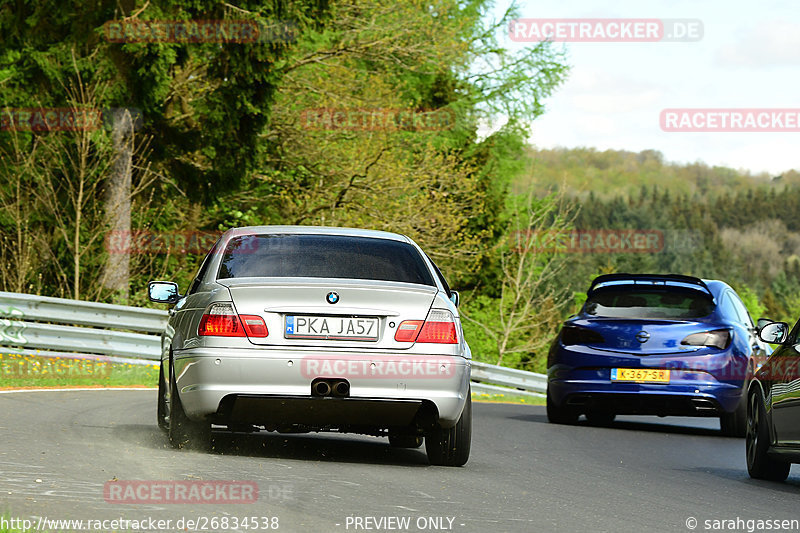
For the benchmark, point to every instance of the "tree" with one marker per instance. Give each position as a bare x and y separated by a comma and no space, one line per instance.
521,321
438,184
204,105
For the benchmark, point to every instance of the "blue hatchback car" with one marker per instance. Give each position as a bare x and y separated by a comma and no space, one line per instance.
654,344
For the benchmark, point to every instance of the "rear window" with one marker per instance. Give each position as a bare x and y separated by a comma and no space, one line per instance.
639,302
323,256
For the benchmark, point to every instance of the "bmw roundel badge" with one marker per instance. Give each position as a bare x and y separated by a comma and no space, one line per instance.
332,298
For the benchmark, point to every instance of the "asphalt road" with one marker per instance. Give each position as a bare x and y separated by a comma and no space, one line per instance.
642,474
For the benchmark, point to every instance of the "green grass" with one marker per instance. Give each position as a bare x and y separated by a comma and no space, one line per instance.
27,371
508,398
5,520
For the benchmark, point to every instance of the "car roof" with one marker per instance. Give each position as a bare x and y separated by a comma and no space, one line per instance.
316,230
716,286
606,281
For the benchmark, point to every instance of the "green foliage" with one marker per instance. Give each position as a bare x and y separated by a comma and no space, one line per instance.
632,176
222,142
20,371
483,310
716,223
750,300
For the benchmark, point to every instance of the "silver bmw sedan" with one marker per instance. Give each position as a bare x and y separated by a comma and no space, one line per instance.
297,328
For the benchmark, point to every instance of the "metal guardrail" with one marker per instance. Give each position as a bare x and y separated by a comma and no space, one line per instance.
78,312
58,327
512,380
89,340
53,327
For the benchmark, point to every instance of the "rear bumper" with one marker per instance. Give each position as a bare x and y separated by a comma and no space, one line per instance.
673,399
706,382
273,387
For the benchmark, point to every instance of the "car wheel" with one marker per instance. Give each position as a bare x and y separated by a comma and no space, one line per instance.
162,412
560,415
599,418
450,446
404,440
184,432
735,424
759,464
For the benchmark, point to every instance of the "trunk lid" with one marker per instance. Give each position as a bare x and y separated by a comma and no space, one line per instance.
339,313
642,336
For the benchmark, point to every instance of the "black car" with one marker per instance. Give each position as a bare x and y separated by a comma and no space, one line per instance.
773,407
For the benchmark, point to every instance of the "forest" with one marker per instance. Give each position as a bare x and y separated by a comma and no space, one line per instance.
124,153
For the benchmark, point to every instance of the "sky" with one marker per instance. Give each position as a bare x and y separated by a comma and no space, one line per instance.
748,58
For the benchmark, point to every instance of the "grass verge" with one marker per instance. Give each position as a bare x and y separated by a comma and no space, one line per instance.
6,523
508,398
19,371
29,371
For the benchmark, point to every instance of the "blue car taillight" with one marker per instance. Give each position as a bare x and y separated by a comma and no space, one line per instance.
574,335
718,338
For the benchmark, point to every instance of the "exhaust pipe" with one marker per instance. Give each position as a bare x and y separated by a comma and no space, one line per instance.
703,405
321,388
341,389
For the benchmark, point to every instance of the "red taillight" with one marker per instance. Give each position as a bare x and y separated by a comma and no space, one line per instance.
254,325
440,328
571,335
439,332
408,330
718,338
220,326
220,320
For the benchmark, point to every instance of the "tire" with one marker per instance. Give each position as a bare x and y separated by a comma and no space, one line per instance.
560,415
451,446
759,464
735,424
184,432
404,440
600,418
162,411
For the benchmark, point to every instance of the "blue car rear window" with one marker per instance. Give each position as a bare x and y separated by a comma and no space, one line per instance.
640,302
323,256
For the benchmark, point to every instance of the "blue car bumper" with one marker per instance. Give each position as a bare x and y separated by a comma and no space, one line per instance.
702,383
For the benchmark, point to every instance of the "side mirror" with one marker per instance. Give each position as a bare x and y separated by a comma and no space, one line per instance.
761,322
163,292
774,332
455,298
